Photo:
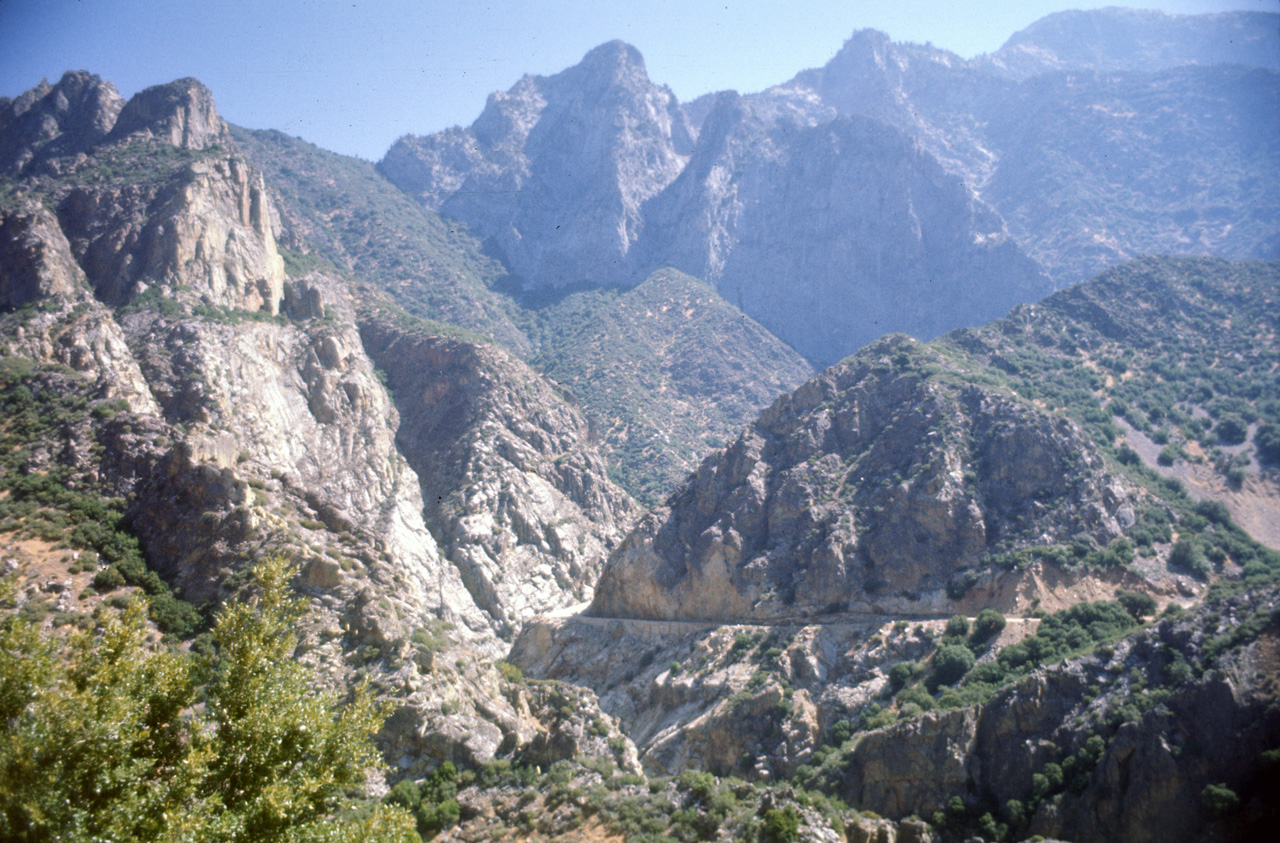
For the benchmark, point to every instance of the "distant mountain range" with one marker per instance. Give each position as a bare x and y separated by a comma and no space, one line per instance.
897,188
534,410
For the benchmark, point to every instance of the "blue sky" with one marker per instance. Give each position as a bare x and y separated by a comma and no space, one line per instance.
353,76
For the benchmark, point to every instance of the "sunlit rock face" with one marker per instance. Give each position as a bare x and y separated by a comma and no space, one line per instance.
871,488
556,169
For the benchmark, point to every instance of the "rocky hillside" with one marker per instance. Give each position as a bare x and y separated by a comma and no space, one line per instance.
668,370
177,405
665,371
918,583
885,485
895,480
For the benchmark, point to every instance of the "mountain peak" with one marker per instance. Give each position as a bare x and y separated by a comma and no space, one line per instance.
615,56
51,120
181,113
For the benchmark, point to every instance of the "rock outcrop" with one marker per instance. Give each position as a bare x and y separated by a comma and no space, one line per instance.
204,234
35,258
515,490
872,488
147,193
180,114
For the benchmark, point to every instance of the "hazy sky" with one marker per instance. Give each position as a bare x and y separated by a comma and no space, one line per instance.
353,76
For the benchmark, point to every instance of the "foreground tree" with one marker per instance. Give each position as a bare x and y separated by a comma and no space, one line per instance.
104,738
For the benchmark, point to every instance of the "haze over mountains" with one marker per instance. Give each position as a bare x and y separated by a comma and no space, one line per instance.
786,199
1011,568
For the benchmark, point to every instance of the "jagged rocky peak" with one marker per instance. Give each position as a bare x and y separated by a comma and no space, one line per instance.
557,168
180,113
883,485
52,120
149,194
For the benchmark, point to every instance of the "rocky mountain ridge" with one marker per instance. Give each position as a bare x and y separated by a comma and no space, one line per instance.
557,168
874,488
664,371
1025,207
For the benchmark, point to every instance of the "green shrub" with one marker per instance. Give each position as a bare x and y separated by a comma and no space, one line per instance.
1267,442
957,627
900,674
987,625
916,695
1137,604
950,664
1231,429
781,825
511,672
1169,454
1188,555
1218,800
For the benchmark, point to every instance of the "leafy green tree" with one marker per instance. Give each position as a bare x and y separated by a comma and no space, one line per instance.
950,663
988,624
1136,603
101,738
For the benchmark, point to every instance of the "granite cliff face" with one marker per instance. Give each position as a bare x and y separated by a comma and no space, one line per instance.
556,169
35,258
786,217
233,413
872,488
513,484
